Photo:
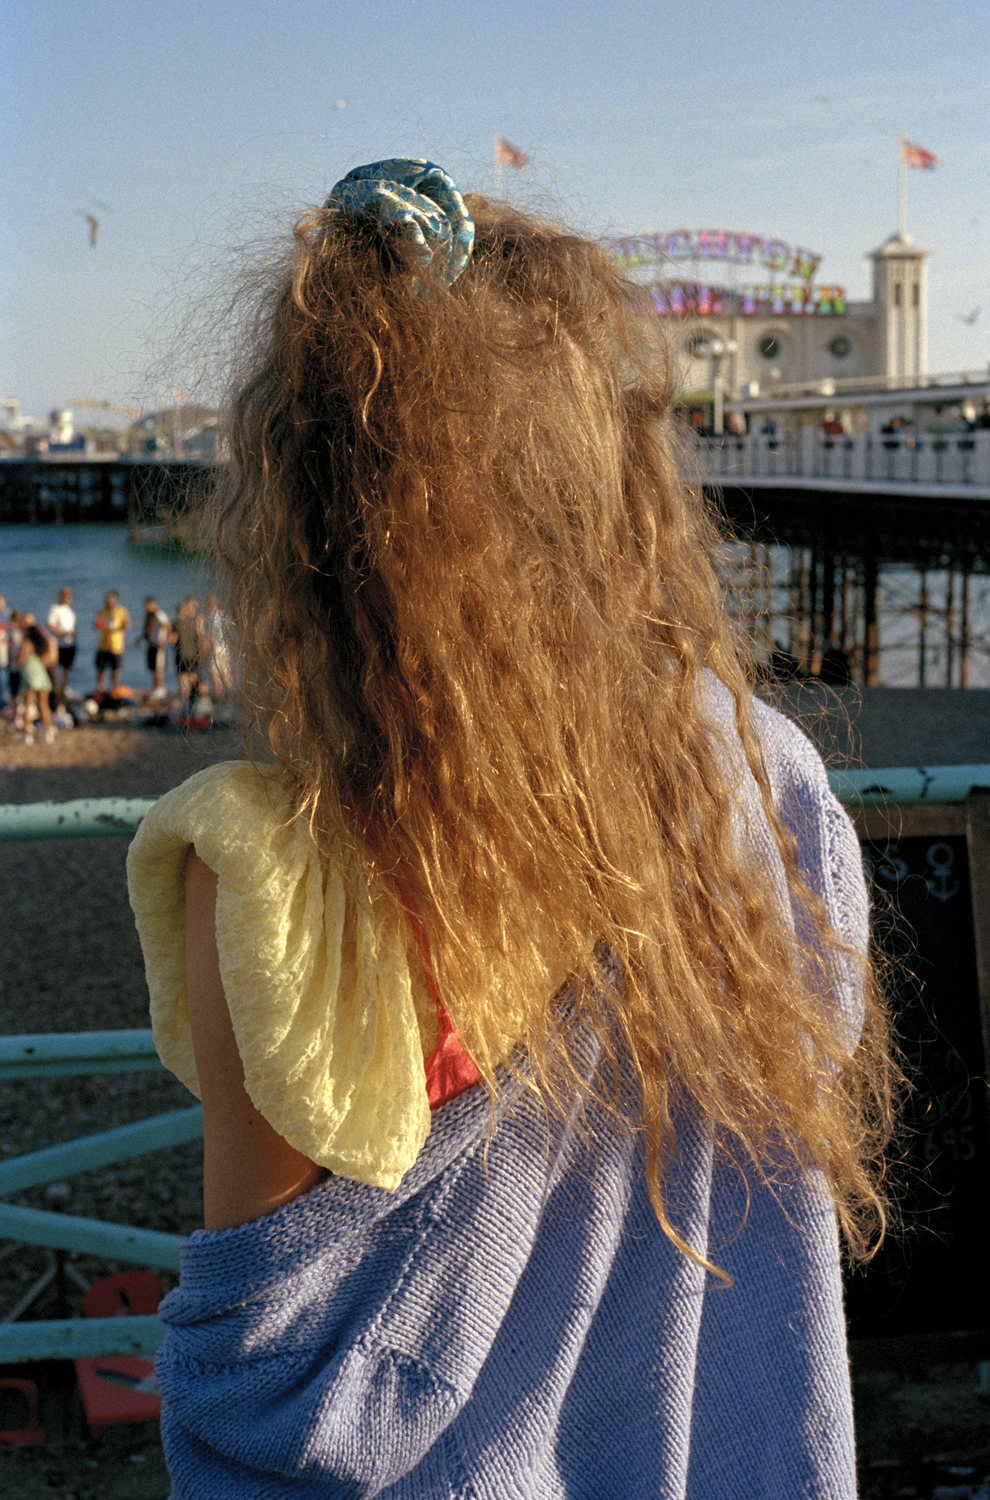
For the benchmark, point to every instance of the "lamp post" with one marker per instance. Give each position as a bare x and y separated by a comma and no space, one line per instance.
716,350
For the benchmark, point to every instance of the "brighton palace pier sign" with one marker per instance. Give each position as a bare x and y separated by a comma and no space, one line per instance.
787,292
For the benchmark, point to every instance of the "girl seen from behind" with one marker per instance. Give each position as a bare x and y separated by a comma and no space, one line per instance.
33,698
524,980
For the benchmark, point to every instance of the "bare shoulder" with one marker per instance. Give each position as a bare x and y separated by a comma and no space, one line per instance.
248,1169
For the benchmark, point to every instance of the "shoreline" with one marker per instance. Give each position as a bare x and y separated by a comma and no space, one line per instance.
128,755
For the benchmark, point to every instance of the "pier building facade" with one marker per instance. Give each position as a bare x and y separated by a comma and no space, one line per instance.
748,316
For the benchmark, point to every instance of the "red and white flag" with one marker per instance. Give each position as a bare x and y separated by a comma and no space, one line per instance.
509,156
916,156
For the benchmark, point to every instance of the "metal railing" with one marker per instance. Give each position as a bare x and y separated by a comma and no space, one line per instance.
67,1055
947,462
70,1054
907,786
51,1055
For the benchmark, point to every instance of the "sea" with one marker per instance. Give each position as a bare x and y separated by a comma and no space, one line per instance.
36,561
92,560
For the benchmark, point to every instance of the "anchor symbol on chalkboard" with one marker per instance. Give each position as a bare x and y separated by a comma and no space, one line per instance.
889,865
941,858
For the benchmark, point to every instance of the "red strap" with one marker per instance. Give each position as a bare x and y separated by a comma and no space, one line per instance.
449,1069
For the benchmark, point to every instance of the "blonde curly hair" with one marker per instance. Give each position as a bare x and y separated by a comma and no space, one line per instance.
476,607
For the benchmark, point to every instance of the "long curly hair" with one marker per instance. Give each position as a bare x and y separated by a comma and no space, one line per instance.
476,607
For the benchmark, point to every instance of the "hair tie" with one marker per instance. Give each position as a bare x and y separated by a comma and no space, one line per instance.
416,198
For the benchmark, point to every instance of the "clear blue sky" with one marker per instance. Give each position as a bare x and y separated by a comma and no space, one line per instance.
188,128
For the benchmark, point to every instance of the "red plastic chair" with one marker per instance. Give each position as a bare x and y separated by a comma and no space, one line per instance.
119,1388
31,1430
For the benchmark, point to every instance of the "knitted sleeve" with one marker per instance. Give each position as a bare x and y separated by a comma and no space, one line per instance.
829,854
329,1016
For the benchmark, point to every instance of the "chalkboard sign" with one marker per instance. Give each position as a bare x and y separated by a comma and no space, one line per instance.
928,868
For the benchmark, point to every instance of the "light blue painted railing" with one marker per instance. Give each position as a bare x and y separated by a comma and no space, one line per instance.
67,1055
60,1055
906,786
89,817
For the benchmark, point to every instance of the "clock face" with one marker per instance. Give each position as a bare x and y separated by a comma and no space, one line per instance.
840,346
769,346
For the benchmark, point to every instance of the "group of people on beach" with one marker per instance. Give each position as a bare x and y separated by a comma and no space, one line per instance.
36,661
201,652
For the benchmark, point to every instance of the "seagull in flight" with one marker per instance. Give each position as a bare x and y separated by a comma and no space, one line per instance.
969,317
93,222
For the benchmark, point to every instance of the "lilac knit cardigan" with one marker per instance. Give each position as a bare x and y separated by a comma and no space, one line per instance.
511,1323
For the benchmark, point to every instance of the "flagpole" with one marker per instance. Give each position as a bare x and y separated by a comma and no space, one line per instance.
497,156
902,193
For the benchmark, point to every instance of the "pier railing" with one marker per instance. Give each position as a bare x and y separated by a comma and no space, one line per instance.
66,1055
949,463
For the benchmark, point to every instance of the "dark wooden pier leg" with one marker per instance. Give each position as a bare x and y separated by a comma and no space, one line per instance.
871,640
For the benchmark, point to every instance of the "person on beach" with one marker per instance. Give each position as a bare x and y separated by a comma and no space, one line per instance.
35,684
156,635
112,624
62,625
4,650
189,648
524,983
216,649
15,640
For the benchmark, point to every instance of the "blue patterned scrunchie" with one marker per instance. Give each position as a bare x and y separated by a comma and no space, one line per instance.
419,200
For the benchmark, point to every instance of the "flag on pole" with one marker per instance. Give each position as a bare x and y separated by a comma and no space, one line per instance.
509,156
917,156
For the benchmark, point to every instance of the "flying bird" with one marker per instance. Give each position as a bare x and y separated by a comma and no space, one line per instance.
93,222
969,317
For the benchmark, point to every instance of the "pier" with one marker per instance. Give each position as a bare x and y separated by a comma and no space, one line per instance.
57,491
852,509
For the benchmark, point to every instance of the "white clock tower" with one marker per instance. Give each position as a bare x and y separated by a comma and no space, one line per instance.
900,297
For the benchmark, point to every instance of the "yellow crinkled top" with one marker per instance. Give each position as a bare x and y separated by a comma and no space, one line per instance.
331,1012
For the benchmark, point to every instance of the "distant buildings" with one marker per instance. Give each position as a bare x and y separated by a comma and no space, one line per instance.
184,431
15,428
